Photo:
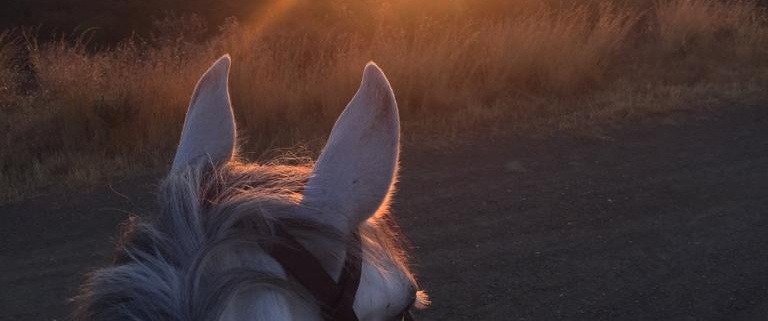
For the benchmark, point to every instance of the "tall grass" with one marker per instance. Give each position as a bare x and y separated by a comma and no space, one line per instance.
9,68
456,66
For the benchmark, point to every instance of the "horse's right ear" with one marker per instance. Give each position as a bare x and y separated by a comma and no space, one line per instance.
356,171
209,127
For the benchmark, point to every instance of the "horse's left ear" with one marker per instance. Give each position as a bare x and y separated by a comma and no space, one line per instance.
357,168
209,127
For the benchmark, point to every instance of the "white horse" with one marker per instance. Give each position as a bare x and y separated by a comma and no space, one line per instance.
238,241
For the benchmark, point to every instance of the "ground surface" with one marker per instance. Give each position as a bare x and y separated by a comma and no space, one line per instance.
666,220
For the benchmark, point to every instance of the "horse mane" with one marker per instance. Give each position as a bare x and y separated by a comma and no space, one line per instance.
170,268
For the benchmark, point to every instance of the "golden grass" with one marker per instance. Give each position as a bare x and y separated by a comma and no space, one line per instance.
456,66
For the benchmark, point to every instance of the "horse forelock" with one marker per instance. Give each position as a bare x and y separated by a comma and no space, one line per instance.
171,268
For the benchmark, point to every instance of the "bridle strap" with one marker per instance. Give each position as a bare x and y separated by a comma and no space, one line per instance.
337,299
349,281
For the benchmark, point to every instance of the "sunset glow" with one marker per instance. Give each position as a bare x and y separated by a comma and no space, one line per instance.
515,159
273,12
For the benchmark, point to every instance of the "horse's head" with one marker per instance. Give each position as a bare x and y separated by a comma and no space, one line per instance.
239,241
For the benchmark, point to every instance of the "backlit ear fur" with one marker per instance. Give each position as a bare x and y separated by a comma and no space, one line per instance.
209,127
357,168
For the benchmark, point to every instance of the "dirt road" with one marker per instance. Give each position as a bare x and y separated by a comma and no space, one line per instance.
659,221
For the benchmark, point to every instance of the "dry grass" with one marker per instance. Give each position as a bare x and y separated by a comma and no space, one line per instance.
72,114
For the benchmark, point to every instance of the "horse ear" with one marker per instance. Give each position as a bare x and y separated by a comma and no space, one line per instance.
356,170
209,127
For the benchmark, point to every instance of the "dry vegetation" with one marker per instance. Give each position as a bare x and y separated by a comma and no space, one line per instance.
71,112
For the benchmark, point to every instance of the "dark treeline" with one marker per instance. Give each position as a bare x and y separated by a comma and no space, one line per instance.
112,20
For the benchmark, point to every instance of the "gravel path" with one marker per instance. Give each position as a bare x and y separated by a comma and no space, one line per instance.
666,220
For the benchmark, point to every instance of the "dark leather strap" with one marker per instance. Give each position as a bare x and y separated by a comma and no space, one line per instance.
349,281
336,299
